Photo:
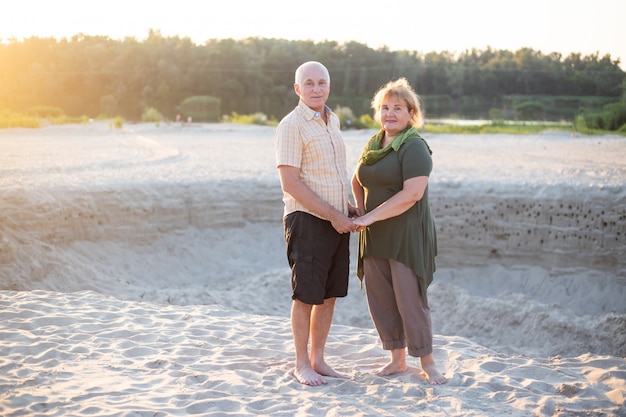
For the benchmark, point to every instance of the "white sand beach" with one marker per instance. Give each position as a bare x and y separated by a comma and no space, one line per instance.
143,273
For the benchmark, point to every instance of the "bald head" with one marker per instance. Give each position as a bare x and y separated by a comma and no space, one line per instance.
312,85
307,67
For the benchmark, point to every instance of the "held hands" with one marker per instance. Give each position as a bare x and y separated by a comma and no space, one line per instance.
355,214
360,223
343,224
356,228
346,224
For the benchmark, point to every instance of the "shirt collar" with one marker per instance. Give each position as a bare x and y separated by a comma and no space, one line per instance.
311,114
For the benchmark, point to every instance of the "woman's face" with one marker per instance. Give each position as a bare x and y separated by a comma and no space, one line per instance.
394,115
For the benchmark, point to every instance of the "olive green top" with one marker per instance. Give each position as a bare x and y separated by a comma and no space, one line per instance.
410,237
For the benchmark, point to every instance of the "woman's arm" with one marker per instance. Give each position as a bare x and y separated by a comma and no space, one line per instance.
359,195
412,191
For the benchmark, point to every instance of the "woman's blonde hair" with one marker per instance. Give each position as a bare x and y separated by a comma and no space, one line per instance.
401,90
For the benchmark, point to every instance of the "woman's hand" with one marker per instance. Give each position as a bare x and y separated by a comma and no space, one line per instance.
362,222
355,211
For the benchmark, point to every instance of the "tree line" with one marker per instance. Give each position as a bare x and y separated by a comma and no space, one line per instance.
97,75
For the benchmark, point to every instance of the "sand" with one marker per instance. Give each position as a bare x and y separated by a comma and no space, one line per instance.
143,273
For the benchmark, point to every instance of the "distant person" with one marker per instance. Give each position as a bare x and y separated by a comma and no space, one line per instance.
311,161
397,240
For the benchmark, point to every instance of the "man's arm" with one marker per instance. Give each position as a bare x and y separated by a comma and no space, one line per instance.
292,184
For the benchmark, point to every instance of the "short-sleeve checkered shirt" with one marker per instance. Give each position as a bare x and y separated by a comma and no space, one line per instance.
304,141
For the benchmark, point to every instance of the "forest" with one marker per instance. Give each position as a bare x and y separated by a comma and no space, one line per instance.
96,76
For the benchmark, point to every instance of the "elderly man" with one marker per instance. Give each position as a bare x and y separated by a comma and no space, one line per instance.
311,160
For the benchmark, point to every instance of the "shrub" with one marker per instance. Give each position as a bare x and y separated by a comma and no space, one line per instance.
150,114
116,122
529,110
497,117
580,123
63,119
367,121
614,116
9,120
256,118
347,118
46,112
202,108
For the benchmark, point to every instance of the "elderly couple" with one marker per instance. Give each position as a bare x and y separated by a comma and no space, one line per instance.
397,241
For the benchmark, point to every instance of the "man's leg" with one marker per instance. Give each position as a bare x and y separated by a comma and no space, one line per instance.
300,325
321,320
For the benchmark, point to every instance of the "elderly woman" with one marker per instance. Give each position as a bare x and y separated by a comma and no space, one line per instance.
397,241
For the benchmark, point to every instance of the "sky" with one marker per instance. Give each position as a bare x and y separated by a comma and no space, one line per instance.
563,26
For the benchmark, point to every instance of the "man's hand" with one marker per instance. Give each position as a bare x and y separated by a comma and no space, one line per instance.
342,223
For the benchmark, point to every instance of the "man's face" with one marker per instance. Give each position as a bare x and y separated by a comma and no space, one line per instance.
314,87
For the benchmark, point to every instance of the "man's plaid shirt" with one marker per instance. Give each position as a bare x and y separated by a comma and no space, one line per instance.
304,141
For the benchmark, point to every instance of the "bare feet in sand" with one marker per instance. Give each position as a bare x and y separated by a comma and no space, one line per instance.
323,369
307,376
431,373
434,377
312,375
390,369
397,365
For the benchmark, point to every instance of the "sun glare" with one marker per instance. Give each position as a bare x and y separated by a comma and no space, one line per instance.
455,26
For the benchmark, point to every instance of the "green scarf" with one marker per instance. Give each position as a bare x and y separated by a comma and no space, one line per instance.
373,153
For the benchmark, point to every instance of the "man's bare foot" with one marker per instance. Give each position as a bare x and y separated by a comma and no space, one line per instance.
391,368
324,369
433,375
307,376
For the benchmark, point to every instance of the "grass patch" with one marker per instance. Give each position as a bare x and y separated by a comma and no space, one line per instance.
249,119
35,117
12,120
517,129
64,120
514,129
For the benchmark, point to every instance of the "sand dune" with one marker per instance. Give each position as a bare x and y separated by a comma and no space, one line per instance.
85,353
142,272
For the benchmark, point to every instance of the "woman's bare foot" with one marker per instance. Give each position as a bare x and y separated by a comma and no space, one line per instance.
396,365
433,375
390,369
429,367
307,376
